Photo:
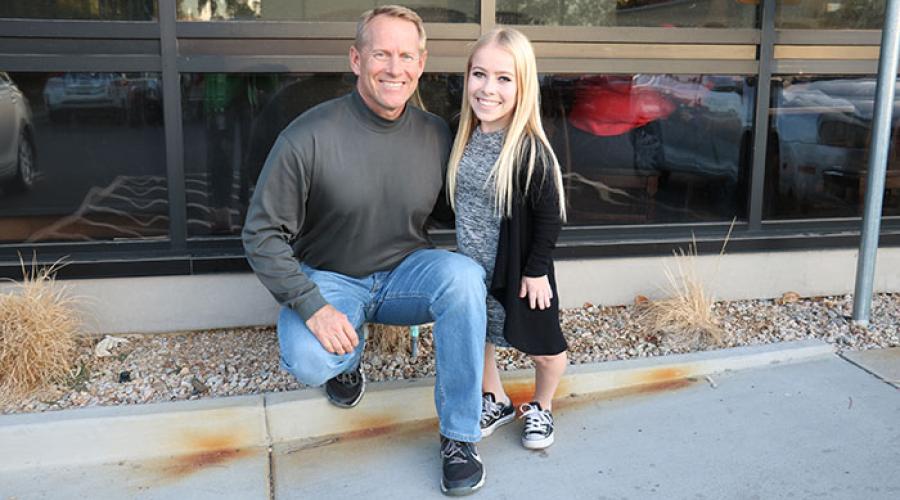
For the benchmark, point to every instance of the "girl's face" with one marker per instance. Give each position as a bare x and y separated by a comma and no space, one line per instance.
492,87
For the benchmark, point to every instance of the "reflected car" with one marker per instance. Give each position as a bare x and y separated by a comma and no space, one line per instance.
132,98
820,138
710,133
107,92
17,147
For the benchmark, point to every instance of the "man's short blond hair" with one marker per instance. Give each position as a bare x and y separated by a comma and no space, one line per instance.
397,11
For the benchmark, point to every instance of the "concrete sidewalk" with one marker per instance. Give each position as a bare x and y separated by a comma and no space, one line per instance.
818,427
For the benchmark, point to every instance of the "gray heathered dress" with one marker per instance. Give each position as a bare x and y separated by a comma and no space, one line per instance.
477,223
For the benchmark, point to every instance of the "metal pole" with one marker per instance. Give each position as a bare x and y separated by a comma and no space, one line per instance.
878,151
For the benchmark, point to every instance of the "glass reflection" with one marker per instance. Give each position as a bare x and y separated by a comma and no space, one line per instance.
821,129
119,10
83,157
830,14
232,120
439,11
651,148
647,13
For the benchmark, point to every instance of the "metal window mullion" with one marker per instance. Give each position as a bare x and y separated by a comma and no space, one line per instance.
761,123
173,125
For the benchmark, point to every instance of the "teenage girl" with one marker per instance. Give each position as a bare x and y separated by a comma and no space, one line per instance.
505,184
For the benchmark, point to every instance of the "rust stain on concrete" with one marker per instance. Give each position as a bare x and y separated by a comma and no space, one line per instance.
660,375
522,391
375,430
208,450
575,400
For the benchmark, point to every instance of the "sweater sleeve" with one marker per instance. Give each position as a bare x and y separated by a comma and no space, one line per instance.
274,219
543,201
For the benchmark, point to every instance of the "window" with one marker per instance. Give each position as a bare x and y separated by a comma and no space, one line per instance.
647,148
647,13
82,157
818,148
436,11
830,14
108,10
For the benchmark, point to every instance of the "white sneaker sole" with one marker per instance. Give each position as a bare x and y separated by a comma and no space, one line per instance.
461,492
356,401
537,444
487,431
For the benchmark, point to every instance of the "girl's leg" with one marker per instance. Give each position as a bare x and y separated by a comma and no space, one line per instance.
490,381
548,372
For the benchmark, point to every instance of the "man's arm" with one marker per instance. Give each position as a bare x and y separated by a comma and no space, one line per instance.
273,223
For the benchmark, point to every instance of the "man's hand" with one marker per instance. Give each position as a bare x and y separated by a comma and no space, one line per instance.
333,330
537,290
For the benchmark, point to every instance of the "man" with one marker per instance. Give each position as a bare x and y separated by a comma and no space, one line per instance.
335,231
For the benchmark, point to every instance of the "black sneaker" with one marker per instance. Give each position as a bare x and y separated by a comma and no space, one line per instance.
494,414
463,472
538,431
346,389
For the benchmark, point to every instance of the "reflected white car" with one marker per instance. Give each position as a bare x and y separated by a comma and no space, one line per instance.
85,91
17,151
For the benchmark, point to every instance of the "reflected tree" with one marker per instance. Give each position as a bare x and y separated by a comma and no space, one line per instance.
217,9
858,14
556,12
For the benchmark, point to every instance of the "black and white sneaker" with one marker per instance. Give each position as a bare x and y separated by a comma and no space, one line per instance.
538,431
346,389
494,414
463,472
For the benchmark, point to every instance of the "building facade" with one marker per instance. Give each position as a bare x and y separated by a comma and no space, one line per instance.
132,131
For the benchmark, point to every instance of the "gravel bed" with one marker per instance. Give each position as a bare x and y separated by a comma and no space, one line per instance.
194,365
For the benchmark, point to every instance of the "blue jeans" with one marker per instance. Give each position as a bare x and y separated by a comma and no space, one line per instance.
428,285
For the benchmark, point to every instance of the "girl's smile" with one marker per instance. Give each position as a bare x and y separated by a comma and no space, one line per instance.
492,87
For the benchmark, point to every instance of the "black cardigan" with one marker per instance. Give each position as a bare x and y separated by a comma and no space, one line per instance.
525,247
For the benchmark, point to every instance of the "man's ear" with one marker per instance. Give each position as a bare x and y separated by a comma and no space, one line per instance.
354,59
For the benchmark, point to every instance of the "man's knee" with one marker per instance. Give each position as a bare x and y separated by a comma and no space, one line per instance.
310,367
304,357
463,277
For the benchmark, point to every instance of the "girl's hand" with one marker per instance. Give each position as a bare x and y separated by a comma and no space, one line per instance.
537,290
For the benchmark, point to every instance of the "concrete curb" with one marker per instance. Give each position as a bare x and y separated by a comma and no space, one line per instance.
103,435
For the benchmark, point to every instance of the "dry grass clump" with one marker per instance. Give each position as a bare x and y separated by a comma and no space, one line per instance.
685,319
389,339
38,327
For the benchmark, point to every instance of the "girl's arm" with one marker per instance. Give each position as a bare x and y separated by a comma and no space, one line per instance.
544,202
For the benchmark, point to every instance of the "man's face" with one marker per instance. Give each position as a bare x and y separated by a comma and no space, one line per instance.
388,66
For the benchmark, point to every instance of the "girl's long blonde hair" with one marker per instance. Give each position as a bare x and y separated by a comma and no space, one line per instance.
524,135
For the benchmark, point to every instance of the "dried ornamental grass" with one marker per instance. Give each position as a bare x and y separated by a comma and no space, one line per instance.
388,339
685,319
38,327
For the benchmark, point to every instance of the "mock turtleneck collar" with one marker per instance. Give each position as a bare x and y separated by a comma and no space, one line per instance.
371,119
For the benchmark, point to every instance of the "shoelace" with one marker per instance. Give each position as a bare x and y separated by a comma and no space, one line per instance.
454,451
489,410
349,378
536,420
